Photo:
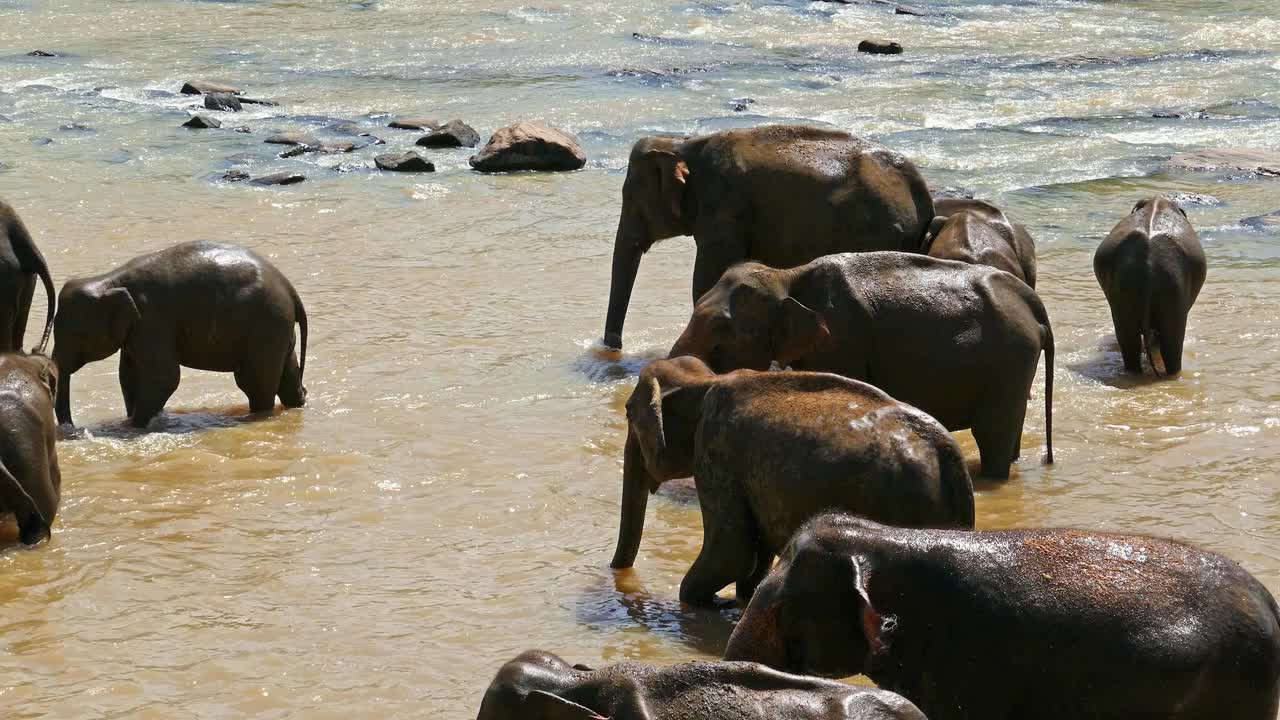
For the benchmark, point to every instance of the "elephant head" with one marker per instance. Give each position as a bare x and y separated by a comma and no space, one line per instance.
654,208
94,320
749,320
662,419
813,614
526,689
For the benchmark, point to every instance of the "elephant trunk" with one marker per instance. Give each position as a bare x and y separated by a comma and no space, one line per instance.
628,246
635,500
757,637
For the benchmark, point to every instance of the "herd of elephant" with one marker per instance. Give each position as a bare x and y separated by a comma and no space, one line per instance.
845,322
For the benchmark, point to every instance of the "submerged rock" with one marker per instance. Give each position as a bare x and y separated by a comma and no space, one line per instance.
234,176
408,162
200,87
292,137
454,133
741,104
909,10
1269,222
41,53
880,46
222,101
243,129
530,146
202,122
1254,162
414,123
75,127
280,178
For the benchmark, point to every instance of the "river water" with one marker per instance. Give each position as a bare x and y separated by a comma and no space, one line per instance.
449,495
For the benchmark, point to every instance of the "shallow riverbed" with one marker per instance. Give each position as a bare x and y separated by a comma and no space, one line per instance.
449,496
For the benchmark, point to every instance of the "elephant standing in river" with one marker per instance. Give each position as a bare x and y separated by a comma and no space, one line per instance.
203,305
537,685
30,481
979,233
1151,268
771,450
1020,624
960,342
780,194
21,262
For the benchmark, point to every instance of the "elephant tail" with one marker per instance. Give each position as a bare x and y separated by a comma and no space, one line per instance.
24,507
32,261
1046,341
300,315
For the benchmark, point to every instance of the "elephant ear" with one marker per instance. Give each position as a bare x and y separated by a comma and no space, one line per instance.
122,314
877,629
674,174
931,234
49,376
798,332
539,705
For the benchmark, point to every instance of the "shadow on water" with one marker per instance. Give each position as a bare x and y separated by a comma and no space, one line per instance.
625,603
602,364
169,422
1107,367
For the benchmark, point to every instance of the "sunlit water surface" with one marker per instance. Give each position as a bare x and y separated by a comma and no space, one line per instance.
449,495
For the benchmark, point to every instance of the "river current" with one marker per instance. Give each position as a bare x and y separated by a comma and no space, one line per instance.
449,496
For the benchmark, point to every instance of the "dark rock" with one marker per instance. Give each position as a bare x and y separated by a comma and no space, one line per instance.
1268,222
222,101
408,162
280,178
243,129
346,128
373,139
41,141
297,150
200,87
632,72
338,147
259,101
880,47
1167,115
741,104
414,123
41,53
529,146
202,122
454,133
235,176
1253,162
75,127
909,10
293,137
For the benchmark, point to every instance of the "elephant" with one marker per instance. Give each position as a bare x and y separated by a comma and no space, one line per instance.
778,194
203,305
21,262
977,232
30,481
1151,268
769,450
958,341
538,685
1052,624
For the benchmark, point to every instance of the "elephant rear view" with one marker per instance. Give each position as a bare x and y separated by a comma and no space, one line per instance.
30,481
21,262
203,305
779,194
1151,268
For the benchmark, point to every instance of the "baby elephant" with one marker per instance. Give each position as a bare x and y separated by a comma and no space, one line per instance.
978,233
30,482
768,451
1018,624
1151,269
540,686
203,305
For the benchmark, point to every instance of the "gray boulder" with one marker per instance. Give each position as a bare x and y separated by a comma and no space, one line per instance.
222,101
201,87
414,123
1253,162
202,122
879,46
530,146
408,162
454,133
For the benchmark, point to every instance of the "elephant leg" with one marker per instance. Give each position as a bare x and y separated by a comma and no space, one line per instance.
997,425
764,563
728,549
1128,325
292,393
156,381
254,383
128,381
1170,324
26,289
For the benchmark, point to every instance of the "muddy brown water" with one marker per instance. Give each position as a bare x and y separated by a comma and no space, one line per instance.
449,495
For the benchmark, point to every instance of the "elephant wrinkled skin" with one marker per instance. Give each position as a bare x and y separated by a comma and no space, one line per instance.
958,341
21,262
30,481
538,685
1067,624
779,194
203,305
979,233
770,450
1151,268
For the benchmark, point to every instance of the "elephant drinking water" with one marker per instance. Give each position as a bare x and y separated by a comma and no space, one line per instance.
780,194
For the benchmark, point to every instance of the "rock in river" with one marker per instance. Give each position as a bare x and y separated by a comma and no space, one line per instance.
529,146
202,122
222,101
1251,161
280,178
454,133
293,137
880,47
408,162
414,123
200,87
